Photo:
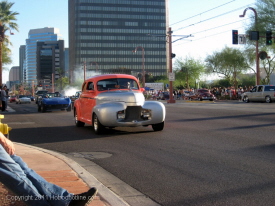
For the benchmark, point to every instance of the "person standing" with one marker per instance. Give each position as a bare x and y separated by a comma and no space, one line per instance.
4,98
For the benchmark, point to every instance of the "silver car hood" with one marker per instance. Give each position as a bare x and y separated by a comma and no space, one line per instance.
131,98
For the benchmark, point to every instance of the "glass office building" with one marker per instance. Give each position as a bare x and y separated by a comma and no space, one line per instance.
35,35
104,33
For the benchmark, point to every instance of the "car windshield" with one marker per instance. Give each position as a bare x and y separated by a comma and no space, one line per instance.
117,83
51,95
20,96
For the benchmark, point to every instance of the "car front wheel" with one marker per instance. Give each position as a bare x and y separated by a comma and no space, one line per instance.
245,99
43,108
98,127
158,127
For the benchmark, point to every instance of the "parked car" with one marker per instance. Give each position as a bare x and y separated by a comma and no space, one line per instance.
38,94
53,101
116,100
260,93
12,99
20,99
202,94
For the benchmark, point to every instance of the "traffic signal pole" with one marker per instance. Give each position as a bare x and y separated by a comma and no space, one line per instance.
171,99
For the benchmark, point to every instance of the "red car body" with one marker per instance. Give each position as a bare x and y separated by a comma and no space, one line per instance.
202,94
12,99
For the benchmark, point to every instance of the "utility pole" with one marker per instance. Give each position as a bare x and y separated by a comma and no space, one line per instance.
171,99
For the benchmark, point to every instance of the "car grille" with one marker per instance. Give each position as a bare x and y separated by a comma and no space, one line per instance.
133,113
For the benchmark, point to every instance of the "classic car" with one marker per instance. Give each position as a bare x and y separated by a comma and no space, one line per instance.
12,99
202,94
53,101
116,100
20,99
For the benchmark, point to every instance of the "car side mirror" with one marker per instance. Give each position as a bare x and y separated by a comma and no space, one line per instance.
142,89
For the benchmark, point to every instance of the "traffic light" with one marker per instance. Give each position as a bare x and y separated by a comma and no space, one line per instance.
234,36
268,36
173,55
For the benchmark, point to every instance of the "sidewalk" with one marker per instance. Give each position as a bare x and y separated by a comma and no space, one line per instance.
61,171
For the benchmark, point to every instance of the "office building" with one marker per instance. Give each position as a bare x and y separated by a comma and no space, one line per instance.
34,36
50,61
104,33
22,59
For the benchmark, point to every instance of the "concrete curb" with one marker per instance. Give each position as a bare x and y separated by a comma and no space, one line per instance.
105,193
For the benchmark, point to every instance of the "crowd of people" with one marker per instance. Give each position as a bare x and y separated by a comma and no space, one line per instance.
221,93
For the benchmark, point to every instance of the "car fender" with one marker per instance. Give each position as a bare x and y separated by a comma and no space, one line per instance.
107,112
158,110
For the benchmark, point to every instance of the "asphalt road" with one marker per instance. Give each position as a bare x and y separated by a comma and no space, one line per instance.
208,153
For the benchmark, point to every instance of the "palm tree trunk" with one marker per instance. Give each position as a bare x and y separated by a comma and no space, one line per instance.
1,45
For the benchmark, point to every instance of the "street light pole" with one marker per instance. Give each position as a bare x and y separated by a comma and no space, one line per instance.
143,71
258,78
171,99
84,70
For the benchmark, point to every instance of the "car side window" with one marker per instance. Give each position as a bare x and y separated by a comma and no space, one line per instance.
90,86
254,89
260,88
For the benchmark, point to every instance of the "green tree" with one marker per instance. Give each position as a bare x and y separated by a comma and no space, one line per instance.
7,18
187,72
229,62
265,10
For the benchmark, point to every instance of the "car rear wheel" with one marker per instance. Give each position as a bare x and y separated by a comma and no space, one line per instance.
158,127
98,127
268,99
77,122
39,108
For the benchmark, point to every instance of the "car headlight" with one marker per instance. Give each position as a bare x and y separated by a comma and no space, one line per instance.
121,114
146,114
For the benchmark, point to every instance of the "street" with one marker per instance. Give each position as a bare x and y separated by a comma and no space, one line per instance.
208,153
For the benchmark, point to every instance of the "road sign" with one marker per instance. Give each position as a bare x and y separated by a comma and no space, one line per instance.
242,39
171,76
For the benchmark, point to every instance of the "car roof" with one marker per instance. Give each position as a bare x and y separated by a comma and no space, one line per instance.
110,76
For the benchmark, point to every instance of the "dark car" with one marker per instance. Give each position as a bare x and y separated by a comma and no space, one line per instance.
31,97
202,94
164,95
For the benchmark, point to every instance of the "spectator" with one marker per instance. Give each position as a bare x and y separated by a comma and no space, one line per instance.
4,98
23,181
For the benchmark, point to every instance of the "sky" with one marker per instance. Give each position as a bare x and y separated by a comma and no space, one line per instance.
210,24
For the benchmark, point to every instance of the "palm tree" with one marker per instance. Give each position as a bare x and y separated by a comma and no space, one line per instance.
7,18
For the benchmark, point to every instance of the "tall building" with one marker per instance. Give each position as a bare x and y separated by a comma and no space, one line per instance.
50,60
106,32
14,77
36,35
22,59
